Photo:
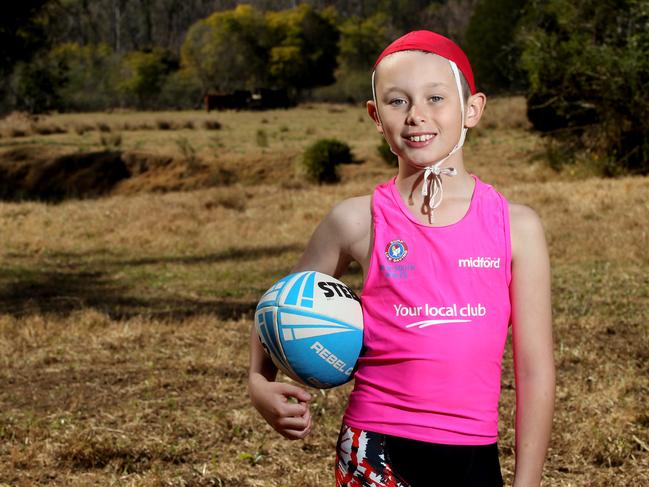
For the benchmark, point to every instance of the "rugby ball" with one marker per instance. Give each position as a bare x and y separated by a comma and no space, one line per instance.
311,326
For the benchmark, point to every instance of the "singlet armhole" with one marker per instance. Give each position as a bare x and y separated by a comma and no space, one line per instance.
370,264
508,239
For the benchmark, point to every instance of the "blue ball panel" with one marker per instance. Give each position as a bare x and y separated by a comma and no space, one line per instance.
322,351
267,330
271,297
325,361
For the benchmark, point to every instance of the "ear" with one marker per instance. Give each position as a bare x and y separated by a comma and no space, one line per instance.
475,106
373,112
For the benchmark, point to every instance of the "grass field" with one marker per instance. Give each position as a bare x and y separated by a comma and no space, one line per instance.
124,319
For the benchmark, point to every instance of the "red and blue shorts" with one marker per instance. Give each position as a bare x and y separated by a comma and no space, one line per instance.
368,459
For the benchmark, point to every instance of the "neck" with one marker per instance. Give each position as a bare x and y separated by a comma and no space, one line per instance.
410,178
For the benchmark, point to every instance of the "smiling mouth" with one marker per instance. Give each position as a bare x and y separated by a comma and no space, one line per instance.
420,138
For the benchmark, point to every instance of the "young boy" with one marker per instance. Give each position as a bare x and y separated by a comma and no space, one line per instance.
463,263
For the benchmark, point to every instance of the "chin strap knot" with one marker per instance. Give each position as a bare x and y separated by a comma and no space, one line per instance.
436,189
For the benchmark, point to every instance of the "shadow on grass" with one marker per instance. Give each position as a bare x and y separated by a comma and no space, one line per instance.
82,281
241,254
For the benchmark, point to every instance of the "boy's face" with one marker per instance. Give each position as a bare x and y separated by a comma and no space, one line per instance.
418,106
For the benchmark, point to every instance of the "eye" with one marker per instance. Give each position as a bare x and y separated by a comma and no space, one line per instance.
397,102
436,98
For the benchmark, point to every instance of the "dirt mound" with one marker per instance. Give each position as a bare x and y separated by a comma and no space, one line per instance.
25,175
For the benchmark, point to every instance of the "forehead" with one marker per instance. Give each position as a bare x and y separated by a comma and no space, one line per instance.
414,67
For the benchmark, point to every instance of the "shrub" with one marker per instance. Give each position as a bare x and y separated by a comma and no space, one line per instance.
110,141
262,138
181,90
386,154
587,64
321,158
91,74
491,47
163,124
143,75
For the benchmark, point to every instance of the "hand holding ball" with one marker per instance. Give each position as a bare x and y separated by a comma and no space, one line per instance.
311,326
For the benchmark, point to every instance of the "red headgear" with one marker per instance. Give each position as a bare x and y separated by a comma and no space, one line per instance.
427,41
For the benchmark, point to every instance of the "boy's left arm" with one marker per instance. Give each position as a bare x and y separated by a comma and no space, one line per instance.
532,344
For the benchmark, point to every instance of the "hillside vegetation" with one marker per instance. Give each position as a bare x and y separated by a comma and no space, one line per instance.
125,310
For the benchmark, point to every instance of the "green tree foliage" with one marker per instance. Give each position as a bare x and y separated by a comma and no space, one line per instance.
587,64
22,35
303,48
144,75
226,51
34,85
386,153
322,157
409,14
491,46
181,90
361,41
91,76
245,49
22,32
107,52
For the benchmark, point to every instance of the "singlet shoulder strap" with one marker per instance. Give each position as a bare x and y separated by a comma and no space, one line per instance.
382,206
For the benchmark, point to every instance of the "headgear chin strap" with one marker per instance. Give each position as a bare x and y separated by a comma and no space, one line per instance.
432,184
432,42
435,171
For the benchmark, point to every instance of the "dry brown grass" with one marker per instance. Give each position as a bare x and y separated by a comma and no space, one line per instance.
124,320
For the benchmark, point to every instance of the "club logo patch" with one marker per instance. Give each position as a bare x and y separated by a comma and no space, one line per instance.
396,251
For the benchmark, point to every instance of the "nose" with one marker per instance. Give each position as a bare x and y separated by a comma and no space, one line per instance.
415,115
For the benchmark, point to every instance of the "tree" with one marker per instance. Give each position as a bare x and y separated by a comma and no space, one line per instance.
408,14
144,74
245,49
22,35
303,46
362,40
91,76
587,63
34,85
226,51
22,32
491,46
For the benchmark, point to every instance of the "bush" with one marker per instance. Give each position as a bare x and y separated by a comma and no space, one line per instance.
212,125
91,76
321,158
587,64
350,87
143,75
491,46
181,90
34,86
386,153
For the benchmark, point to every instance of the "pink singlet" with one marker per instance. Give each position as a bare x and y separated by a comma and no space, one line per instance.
436,308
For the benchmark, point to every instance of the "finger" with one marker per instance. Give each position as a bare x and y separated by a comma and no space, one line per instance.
295,434
293,423
298,393
307,412
298,410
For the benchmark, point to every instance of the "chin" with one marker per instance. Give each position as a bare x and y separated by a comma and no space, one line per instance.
421,163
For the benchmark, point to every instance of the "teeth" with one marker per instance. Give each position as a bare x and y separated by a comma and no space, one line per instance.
420,138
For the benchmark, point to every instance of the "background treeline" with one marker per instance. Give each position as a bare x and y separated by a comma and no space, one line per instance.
155,54
582,64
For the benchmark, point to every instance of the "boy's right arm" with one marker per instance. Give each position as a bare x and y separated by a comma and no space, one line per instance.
286,406
272,399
